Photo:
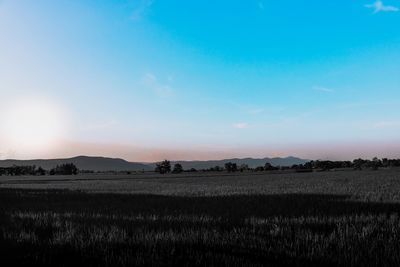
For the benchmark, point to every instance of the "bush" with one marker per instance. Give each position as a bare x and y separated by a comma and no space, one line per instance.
64,169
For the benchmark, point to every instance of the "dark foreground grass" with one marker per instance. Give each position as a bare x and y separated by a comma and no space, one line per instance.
69,228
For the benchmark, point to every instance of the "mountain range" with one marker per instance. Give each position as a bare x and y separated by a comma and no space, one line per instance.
115,164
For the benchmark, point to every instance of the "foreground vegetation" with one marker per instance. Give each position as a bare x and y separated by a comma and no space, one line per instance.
303,219
165,167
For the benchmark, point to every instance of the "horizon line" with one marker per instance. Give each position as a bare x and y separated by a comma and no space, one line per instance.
179,160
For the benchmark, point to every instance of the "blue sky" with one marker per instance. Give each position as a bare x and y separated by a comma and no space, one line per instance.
147,80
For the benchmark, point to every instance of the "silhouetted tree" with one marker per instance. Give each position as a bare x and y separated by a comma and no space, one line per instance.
163,167
385,162
177,168
243,167
376,163
230,167
357,164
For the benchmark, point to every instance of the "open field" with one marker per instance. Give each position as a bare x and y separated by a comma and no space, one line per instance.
347,218
382,185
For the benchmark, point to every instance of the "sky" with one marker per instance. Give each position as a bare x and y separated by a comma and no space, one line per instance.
146,80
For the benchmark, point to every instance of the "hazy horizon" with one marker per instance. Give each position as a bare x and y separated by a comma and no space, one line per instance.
146,80
138,154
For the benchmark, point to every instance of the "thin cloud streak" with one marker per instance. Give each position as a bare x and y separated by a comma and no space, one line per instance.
378,6
161,90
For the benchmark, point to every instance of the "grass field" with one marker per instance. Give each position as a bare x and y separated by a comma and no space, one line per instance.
347,218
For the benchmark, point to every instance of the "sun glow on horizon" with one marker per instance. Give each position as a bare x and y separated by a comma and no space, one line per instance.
32,126
146,80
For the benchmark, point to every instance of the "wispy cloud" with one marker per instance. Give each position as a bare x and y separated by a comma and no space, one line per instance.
323,89
140,10
151,81
241,125
260,5
378,6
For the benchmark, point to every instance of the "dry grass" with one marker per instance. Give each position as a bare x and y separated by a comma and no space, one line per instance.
314,219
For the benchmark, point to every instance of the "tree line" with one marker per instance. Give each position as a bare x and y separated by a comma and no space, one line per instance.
314,165
63,169
166,167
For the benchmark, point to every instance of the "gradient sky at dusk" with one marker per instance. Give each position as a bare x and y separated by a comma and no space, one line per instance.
147,80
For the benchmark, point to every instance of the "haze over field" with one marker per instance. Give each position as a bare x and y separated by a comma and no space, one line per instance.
146,80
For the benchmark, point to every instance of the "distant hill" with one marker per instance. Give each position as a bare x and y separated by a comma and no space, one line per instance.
83,163
251,162
115,164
